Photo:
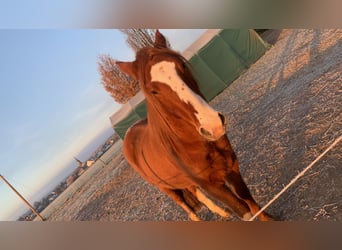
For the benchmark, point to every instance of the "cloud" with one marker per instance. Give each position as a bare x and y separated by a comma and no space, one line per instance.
93,103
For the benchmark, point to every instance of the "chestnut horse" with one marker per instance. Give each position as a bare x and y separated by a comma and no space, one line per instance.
182,146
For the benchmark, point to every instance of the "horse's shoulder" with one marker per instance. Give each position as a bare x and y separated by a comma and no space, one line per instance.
133,138
136,128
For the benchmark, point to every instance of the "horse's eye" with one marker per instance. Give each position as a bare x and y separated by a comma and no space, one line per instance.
154,92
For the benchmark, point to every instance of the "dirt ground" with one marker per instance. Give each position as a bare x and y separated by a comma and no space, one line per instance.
282,113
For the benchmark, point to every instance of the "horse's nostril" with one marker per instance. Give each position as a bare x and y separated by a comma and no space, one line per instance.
205,132
223,118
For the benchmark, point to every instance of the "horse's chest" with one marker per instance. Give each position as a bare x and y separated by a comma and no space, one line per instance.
160,170
184,168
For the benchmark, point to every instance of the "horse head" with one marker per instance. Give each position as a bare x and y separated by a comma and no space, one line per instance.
171,90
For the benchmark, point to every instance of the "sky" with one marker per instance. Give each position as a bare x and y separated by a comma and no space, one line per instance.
53,106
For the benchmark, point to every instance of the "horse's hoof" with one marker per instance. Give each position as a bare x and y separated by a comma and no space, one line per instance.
247,216
194,217
266,217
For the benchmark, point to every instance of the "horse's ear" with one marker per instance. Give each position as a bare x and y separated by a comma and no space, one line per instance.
160,41
128,68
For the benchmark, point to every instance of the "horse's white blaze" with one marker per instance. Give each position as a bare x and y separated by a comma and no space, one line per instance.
165,72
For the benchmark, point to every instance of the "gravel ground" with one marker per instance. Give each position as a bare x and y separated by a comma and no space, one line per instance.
282,113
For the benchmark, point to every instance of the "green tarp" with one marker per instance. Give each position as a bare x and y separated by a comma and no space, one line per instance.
138,113
224,58
215,65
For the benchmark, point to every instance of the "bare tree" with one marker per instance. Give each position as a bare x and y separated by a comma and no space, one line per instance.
140,38
119,85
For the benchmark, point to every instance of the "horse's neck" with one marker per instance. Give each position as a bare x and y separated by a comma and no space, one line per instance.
183,135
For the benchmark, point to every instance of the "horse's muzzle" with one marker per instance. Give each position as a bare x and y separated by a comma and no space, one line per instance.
214,133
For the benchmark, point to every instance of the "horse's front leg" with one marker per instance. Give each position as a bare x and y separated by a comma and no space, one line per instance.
236,184
177,196
210,204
